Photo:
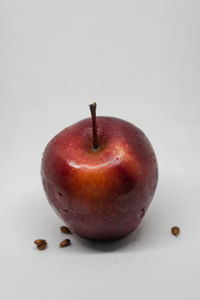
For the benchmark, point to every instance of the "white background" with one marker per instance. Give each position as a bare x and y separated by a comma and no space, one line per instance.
139,60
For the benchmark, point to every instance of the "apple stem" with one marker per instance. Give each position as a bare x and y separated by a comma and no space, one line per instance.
94,125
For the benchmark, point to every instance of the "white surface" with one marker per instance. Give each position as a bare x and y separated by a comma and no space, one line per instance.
139,60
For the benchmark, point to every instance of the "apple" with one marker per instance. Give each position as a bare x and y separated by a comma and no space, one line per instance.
100,176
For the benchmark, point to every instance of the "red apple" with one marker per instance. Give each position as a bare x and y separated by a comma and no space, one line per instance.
100,176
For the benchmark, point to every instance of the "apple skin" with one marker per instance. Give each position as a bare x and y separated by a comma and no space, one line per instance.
102,194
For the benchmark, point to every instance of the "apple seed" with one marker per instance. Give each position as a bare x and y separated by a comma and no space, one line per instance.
42,247
65,243
39,242
175,230
64,229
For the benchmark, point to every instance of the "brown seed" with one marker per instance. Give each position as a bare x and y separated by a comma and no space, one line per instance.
65,243
42,246
40,242
64,229
175,230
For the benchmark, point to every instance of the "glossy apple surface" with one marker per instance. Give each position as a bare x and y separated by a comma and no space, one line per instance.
103,193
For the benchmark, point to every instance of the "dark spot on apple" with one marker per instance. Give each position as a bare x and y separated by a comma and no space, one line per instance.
64,210
60,194
142,212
